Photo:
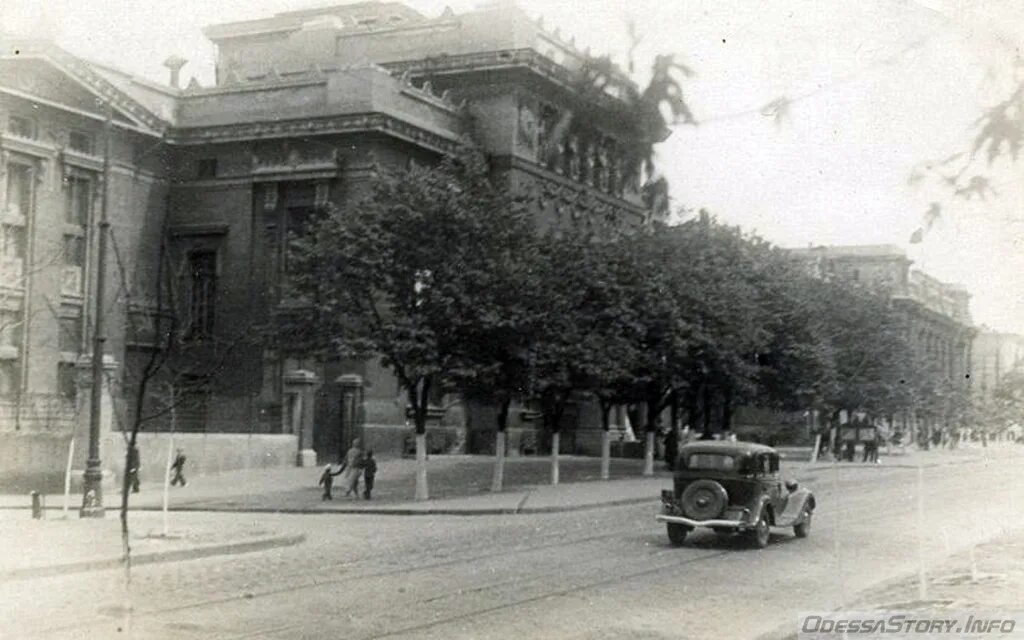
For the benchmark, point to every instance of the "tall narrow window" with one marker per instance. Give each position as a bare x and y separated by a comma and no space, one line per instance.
19,189
206,168
203,291
21,126
81,141
12,256
74,265
67,385
10,372
78,201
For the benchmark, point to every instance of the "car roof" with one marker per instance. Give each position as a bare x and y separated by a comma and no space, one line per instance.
726,447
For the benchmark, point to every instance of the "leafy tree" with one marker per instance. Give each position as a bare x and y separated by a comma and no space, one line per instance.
417,274
587,327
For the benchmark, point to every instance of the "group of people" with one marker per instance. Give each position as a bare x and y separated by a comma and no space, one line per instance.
135,465
357,464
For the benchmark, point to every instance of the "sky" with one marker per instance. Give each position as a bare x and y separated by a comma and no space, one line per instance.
875,88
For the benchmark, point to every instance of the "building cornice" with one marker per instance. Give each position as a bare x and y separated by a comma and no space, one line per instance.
505,59
350,123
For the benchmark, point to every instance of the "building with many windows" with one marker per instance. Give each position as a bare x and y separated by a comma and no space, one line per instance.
204,187
937,314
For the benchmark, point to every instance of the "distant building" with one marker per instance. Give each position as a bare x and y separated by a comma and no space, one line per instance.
938,318
306,104
995,355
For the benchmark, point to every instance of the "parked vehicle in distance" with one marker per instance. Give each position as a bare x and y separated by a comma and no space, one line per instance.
733,488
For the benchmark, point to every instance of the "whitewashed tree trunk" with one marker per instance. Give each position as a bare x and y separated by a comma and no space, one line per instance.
555,442
649,454
606,454
167,479
499,462
67,476
422,492
817,447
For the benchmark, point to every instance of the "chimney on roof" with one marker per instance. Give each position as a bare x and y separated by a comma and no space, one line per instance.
175,63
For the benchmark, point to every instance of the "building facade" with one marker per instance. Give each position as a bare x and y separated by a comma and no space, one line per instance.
936,314
995,355
204,186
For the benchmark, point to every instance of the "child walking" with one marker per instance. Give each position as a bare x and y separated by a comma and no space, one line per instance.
327,481
369,473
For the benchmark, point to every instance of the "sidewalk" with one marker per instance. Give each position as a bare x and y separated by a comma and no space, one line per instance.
985,581
55,546
460,485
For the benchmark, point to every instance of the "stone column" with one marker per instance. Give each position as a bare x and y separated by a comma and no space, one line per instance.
299,386
351,411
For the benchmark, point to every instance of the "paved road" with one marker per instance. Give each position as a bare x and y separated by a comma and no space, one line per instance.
607,573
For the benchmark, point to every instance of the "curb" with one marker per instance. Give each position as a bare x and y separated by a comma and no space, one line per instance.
176,555
413,511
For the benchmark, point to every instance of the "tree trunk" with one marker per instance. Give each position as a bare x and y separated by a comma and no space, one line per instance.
692,407
555,443
707,411
418,397
674,419
498,482
649,454
606,440
422,489
727,409
653,414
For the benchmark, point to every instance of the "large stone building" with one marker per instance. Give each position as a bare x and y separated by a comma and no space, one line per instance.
937,314
995,355
203,187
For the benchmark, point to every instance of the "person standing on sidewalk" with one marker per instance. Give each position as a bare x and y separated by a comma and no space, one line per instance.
671,447
134,463
353,468
178,466
369,473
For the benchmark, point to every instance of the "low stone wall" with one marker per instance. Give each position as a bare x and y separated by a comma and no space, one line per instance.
33,461
206,453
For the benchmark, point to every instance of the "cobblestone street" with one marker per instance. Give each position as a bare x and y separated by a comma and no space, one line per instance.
600,573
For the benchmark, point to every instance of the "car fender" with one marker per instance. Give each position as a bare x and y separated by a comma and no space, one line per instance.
762,505
799,502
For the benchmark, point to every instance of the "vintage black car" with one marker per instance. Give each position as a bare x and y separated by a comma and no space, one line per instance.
733,488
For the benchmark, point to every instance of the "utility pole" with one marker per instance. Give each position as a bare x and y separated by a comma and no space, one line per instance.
92,491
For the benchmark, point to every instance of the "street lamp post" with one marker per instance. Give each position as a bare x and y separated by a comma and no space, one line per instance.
92,490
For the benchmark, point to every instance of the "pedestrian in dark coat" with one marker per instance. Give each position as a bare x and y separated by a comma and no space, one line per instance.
671,447
178,466
134,464
327,481
369,473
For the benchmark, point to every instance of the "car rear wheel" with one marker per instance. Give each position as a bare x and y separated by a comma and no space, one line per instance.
804,528
761,533
677,533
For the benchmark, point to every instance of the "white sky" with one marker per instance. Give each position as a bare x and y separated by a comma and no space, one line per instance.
883,85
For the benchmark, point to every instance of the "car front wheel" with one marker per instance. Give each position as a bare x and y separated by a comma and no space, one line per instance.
804,528
759,536
677,533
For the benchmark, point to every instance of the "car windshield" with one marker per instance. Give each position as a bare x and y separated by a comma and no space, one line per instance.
710,461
